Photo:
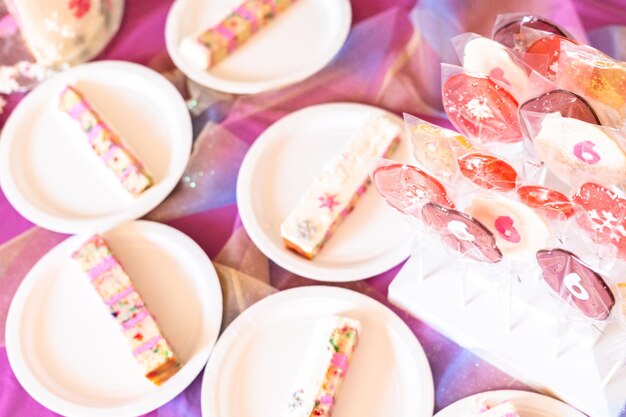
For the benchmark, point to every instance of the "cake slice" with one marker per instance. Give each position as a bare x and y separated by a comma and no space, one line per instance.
116,290
107,145
324,367
334,193
211,46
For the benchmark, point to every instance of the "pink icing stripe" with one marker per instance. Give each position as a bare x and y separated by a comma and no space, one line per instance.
340,361
78,109
127,171
228,34
327,399
94,132
106,264
148,345
249,16
132,322
117,297
110,152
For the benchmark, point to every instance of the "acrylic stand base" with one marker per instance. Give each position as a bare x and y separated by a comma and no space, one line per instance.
524,344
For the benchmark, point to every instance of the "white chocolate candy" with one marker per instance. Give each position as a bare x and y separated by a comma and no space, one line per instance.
574,150
487,57
519,231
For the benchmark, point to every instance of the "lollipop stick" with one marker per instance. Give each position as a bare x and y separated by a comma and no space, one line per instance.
611,374
561,329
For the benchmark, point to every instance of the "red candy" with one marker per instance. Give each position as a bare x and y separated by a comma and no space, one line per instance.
606,215
550,47
488,172
480,108
574,281
407,188
550,202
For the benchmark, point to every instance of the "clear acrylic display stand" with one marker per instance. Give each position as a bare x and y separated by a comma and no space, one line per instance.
525,337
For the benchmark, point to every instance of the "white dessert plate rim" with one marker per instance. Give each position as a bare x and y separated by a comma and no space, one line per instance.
81,222
279,254
207,79
211,301
256,314
523,400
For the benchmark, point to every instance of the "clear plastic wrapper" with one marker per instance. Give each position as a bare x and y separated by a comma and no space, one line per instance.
575,151
602,215
479,107
595,76
485,56
408,188
37,38
508,29
543,51
437,149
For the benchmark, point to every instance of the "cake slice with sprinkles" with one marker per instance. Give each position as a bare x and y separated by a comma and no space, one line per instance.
106,144
335,192
115,288
324,367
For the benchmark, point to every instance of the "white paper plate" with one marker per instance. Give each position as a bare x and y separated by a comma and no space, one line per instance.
279,167
70,355
296,45
55,181
251,371
528,404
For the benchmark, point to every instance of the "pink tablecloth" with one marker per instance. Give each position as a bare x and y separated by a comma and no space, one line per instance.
376,66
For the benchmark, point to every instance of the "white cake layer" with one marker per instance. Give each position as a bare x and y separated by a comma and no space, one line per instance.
315,363
331,193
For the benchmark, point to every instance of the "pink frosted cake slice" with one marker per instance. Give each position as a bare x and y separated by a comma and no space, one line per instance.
115,288
213,45
107,145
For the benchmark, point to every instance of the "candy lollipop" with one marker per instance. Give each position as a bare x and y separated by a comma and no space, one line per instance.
519,231
406,188
605,219
550,47
481,109
551,203
575,282
485,56
593,74
571,149
509,31
488,172
436,148
462,233
564,102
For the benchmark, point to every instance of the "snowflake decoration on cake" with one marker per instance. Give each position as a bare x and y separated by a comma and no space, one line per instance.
328,201
297,400
306,229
